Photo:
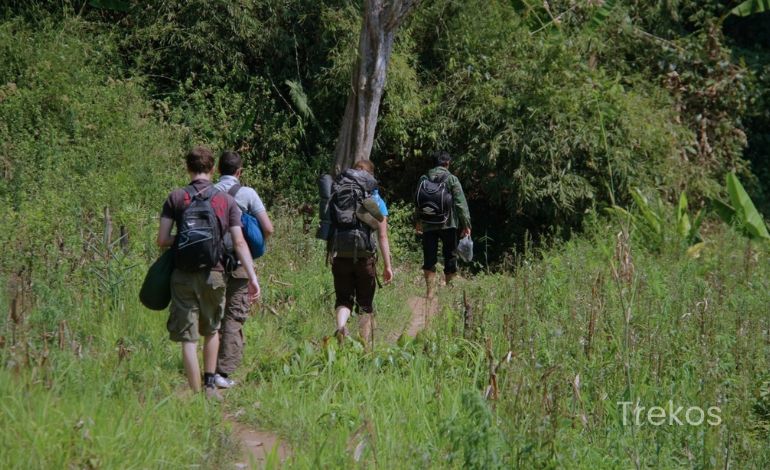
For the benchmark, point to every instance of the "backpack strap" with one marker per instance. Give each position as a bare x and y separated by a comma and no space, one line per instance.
441,180
234,189
193,193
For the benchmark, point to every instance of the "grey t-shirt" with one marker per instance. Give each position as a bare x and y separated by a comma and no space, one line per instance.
247,198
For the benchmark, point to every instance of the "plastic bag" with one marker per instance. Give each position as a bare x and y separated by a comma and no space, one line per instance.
465,249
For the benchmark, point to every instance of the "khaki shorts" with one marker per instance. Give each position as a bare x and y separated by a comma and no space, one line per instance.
197,304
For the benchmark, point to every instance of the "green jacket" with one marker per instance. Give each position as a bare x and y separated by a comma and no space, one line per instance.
459,216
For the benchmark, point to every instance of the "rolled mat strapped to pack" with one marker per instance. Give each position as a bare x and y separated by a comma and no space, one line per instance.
155,293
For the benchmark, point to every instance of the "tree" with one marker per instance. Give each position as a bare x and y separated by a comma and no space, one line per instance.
380,23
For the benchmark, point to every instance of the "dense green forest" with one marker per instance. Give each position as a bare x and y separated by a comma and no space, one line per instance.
598,143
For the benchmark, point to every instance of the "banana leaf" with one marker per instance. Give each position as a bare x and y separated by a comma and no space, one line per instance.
746,213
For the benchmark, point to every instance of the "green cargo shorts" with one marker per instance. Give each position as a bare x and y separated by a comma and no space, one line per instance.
197,304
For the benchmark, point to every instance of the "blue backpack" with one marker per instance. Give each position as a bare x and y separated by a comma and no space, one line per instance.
252,232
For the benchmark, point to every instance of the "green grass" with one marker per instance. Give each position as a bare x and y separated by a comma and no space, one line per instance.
698,335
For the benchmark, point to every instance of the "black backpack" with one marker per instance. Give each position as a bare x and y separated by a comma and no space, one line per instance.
199,236
350,237
434,200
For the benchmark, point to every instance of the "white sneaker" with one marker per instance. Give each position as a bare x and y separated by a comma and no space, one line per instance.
223,382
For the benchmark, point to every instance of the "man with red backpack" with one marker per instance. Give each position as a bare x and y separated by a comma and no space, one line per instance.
202,215
442,214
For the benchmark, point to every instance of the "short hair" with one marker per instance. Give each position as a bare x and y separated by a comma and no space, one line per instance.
230,162
365,165
200,160
442,158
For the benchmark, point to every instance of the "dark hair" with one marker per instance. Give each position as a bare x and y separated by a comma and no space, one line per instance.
229,162
365,165
442,158
200,160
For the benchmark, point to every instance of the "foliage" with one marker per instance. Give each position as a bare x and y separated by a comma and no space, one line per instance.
742,214
751,7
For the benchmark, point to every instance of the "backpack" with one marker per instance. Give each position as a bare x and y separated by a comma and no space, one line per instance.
434,200
350,237
325,183
199,235
252,233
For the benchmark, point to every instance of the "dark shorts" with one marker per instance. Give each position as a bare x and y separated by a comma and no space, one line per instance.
354,283
448,237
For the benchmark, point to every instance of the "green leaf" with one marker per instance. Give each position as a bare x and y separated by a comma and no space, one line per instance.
694,234
746,213
603,12
750,7
652,219
299,98
725,211
683,225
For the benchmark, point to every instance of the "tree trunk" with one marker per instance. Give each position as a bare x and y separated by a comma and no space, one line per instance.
381,20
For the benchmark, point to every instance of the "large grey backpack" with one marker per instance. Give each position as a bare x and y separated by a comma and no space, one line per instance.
351,238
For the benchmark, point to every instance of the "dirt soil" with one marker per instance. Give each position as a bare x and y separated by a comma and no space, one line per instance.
423,309
256,445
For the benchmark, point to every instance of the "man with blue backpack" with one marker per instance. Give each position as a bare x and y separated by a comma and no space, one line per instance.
257,228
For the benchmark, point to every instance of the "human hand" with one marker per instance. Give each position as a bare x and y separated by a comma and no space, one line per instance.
254,290
418,228
387,275
466,232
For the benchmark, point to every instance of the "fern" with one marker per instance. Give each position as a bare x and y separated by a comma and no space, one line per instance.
299,98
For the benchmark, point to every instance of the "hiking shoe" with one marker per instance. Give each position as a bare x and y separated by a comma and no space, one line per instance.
212,393
223,382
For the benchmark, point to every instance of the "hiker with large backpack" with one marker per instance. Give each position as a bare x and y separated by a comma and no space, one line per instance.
254,218
357,221
202,216
442,214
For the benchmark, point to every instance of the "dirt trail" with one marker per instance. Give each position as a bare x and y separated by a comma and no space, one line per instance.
256,445
423,309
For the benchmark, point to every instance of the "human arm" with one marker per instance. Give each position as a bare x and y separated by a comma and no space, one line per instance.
257,208
265,224
165,239
461,207
244,256
382,234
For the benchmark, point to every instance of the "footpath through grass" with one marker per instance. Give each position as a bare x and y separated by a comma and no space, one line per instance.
88,382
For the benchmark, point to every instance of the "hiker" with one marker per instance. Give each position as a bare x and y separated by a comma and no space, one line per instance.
236,292
202,215
357,211
442,211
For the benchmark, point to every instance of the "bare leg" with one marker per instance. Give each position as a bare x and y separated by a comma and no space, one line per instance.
448,277
210,350
343,314
366,329
191,369
430,288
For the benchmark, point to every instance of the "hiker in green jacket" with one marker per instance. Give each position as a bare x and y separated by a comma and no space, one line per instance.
442,214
